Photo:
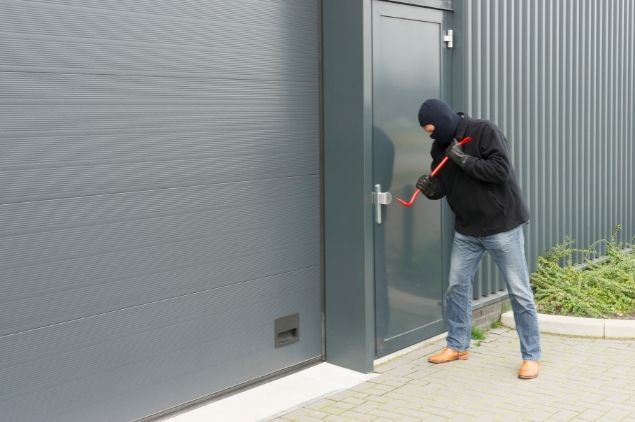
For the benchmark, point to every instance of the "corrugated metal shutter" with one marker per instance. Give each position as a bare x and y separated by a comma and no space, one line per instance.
159,201
557,78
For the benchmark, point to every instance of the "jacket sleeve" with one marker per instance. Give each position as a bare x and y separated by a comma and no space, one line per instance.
493,165
439,187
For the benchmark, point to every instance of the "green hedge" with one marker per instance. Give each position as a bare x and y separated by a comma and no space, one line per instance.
599,288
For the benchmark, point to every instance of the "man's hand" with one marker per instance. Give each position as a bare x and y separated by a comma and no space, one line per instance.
426,185
456,154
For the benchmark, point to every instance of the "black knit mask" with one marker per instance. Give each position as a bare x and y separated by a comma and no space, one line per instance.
441,115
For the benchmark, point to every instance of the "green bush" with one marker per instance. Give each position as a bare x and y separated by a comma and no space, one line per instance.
600,288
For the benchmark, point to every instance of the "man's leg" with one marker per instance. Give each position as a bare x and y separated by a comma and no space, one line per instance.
508,251
467,252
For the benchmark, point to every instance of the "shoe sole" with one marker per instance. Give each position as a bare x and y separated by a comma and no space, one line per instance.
527,377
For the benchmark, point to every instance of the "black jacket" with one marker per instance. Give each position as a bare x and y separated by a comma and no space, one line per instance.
484,195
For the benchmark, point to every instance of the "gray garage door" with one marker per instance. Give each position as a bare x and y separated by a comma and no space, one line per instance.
159,201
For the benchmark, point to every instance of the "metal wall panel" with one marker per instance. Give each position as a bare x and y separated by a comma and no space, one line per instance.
348,216
557,78
159,201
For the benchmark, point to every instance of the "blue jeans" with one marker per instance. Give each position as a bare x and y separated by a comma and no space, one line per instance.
508,252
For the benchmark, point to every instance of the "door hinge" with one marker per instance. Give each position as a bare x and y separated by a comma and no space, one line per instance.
380,198
449,38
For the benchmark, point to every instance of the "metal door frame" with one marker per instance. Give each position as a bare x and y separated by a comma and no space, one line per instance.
444,19
347,172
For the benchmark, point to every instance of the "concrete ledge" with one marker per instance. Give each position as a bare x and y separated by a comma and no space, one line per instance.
267,401
582,327
619,328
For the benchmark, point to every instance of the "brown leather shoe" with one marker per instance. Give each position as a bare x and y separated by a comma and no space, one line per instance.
448,355
528,370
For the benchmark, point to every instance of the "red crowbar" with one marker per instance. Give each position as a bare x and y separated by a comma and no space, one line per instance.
436,170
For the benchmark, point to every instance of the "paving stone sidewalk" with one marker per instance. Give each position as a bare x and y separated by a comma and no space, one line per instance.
581,379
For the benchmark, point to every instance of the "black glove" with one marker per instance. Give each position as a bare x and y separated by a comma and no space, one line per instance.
426,185
456,154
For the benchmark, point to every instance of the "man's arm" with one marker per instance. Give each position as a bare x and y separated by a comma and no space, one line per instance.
493,165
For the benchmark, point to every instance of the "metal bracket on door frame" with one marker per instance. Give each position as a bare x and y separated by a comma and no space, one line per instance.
449,38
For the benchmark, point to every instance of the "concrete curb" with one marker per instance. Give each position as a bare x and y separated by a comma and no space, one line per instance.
581,327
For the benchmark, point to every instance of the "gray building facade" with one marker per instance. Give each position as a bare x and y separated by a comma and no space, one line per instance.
556,77
191,196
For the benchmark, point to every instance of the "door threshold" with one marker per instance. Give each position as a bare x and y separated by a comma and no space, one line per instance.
409,349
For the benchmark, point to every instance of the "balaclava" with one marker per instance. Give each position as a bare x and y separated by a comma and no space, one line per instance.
444,119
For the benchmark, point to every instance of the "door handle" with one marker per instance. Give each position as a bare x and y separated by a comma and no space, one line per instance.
380,198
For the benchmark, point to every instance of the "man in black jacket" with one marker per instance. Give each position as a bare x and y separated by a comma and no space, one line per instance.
481,189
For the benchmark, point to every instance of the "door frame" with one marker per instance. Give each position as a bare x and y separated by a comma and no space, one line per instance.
444,20
349,279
